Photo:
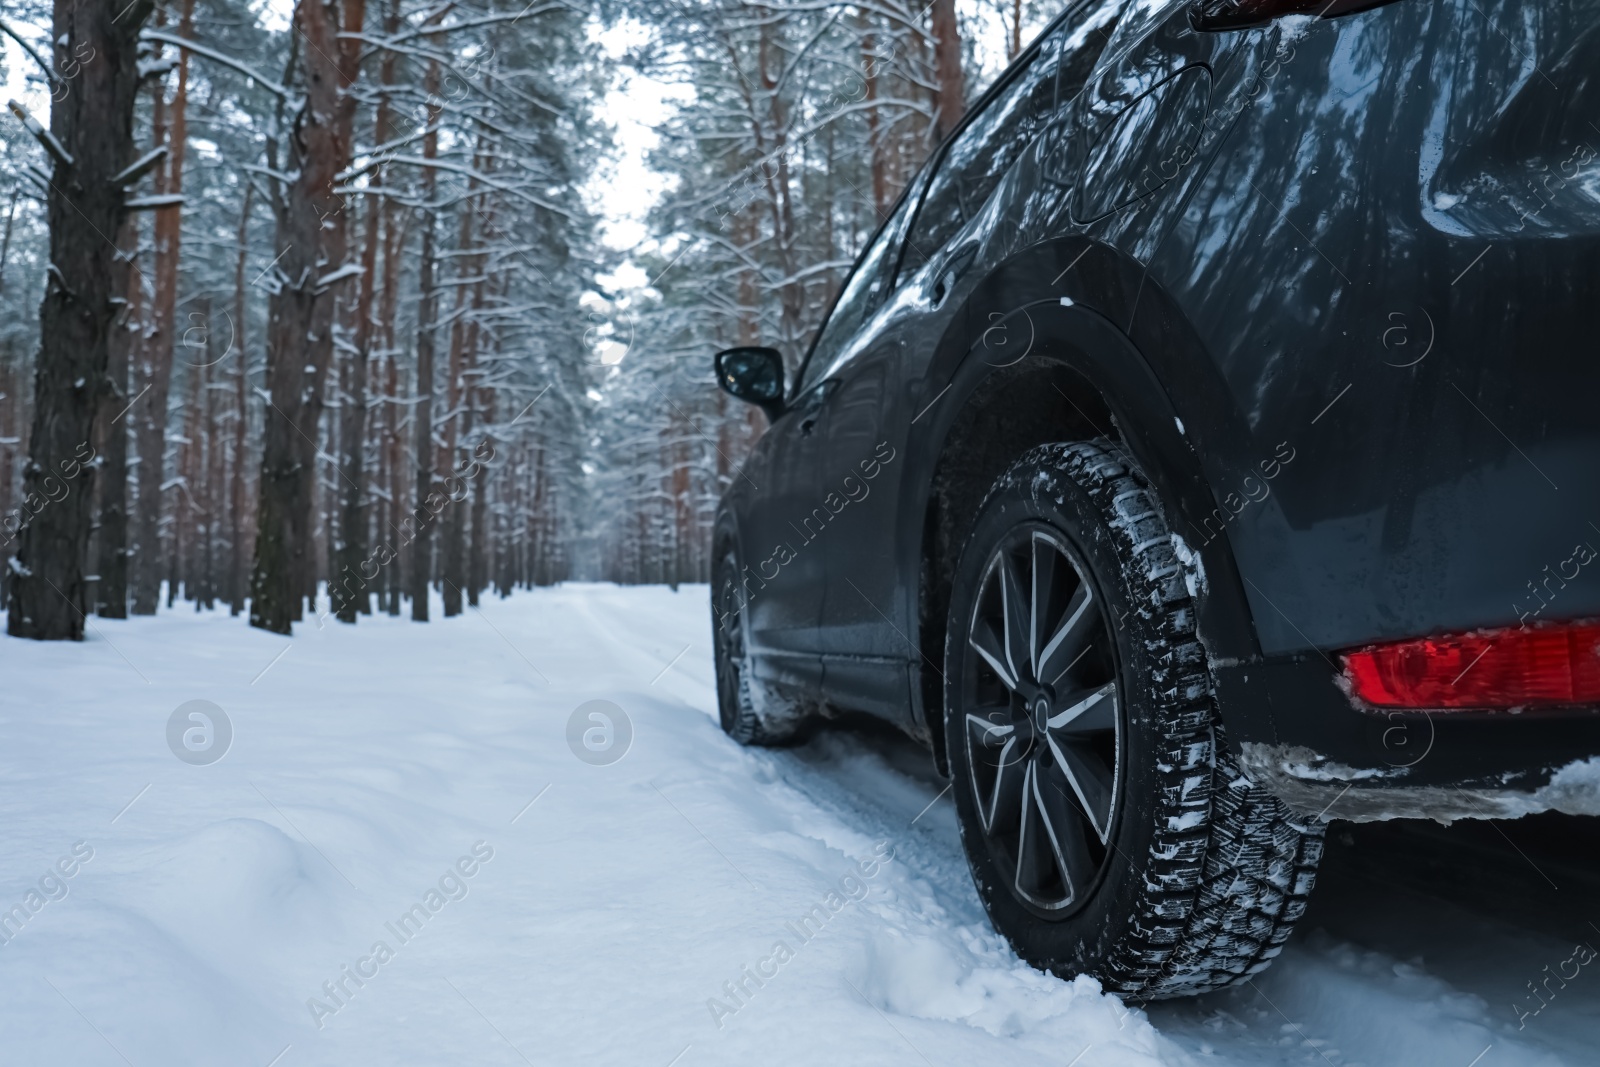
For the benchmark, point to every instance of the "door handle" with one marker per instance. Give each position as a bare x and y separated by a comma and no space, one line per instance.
950,271
808,424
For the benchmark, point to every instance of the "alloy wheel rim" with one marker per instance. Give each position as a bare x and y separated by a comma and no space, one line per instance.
1042,720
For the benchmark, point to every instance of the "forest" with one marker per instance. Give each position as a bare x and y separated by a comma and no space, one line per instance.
329,295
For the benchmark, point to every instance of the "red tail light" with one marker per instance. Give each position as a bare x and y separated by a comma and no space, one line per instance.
1510,668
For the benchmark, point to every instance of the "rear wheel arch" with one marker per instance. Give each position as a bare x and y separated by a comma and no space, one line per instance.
1081,377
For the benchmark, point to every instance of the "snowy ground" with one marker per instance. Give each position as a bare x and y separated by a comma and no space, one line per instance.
571,913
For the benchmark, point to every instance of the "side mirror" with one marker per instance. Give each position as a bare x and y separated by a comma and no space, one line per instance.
754,375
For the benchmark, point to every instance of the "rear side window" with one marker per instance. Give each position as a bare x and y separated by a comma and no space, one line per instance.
974,163
980,155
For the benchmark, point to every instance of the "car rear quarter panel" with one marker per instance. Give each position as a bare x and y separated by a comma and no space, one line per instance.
1392,266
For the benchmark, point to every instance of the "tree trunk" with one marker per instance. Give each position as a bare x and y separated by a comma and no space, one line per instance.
325,315
396,480
205,450
791,293
5,241
483,403
950,97
347,585
241,370
353,512
395,225
216,477
542,569
310,231
10,415
93,125
421,518
188,501
111,594
172,126
881,201
452,564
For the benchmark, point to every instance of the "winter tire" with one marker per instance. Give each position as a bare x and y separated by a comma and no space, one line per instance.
739,699
1109,830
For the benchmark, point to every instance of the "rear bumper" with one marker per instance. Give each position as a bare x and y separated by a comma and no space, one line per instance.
1297,733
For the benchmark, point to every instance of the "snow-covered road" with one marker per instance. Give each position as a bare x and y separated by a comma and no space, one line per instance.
401,859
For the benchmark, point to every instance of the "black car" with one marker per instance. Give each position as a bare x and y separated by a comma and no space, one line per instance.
1206,447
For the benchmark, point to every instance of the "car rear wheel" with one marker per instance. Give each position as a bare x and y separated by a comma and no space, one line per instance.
1109,830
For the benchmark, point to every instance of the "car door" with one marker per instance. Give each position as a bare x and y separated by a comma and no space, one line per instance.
788,524
863,655
862,670
783,599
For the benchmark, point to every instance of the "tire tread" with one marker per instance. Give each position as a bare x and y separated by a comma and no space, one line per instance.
1230,868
